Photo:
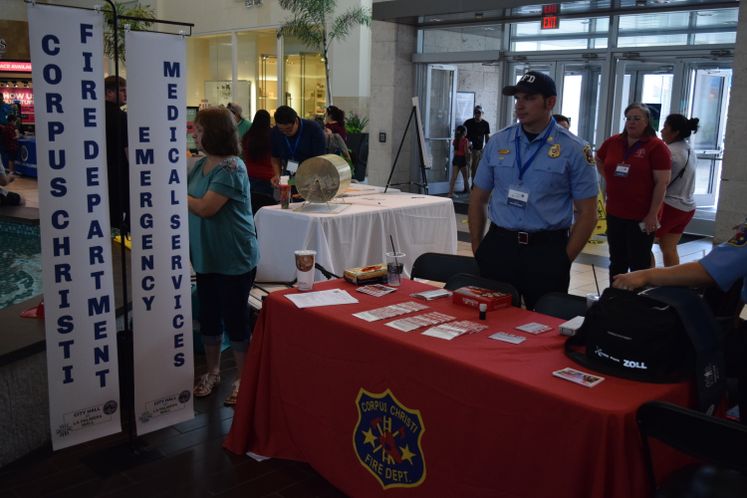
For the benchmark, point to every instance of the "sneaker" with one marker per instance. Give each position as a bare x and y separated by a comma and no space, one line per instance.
205,385
234,396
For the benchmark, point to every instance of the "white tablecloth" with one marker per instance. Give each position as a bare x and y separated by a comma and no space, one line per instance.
356,236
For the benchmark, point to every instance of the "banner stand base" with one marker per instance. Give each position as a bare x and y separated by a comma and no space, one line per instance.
125,456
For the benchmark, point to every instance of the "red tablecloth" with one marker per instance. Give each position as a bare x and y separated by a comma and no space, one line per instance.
381,412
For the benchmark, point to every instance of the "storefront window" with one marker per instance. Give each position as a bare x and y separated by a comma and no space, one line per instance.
305,82
267,87
254,49
209,70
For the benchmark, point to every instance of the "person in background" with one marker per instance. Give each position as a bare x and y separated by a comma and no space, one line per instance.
8,198
532,177
293,141
563,121
117,156
478,133
223,244
9,136
679,204
459,163
335,143
242,125
255,149
5,110
636,168
334,120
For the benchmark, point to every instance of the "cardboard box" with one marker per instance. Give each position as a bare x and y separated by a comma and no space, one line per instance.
474,296
371,274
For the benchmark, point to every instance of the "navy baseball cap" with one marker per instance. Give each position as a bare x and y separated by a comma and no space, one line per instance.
532,82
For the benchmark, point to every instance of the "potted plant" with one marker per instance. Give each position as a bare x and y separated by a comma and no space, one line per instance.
357,143
146,14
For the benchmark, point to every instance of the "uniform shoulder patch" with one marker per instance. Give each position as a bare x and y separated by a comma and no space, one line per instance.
387,440
588,155
740,236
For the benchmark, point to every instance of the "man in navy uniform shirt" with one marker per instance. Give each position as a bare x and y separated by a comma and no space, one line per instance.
539,184
293,141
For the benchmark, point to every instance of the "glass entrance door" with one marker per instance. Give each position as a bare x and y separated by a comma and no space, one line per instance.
439,124
650,83
708,100
579,97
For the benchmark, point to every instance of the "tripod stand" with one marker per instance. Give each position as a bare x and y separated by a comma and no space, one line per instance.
421,145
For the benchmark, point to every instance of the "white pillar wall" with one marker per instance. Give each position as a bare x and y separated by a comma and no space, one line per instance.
732,202
392,89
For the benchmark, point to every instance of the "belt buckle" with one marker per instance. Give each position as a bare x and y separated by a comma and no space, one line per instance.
522,237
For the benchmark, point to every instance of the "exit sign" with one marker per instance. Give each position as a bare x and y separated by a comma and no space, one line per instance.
550,16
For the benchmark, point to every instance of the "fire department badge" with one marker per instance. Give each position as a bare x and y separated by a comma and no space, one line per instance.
554,151
386,440
588,155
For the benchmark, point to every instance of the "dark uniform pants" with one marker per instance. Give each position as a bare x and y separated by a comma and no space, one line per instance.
534,263
629,246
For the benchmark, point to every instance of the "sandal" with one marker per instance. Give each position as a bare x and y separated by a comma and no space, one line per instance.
206,384
234,396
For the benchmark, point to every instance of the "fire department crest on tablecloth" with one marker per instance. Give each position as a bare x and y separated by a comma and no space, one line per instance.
387,439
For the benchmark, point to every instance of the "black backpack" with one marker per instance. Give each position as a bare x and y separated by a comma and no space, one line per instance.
663,335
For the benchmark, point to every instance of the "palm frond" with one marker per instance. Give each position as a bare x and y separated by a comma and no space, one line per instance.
344,23
145,12
297,7
310,34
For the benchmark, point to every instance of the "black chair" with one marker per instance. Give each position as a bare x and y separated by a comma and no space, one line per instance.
260,200
720,444
439,267
464,279
561,305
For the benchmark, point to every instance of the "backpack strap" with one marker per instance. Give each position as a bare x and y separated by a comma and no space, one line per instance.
705,334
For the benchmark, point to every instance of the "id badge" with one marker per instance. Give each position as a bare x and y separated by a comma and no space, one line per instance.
622,170
517,196
292,167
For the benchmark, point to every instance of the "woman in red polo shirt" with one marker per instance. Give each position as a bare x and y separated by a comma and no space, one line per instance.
636,168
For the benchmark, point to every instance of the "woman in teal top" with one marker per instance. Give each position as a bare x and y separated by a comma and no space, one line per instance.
223,244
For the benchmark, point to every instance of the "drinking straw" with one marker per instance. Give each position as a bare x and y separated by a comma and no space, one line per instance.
394,249
594,271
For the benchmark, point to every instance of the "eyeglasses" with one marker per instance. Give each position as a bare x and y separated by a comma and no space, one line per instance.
634,118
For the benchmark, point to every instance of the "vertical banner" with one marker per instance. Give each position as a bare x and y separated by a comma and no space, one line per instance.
67,53
161,289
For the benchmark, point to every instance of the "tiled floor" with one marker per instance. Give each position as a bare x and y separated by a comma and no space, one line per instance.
189,462
27,188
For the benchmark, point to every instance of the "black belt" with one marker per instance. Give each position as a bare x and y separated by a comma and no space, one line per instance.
526,238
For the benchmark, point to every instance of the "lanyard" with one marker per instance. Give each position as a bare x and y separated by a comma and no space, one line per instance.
543,140
629,150
292,150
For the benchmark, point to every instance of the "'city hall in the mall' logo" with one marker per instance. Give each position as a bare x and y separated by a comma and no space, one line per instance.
387,438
